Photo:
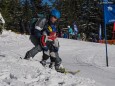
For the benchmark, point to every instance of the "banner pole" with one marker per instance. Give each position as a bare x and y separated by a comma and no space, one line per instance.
105,36
106,46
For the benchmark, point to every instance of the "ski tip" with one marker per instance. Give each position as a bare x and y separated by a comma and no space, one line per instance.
73,72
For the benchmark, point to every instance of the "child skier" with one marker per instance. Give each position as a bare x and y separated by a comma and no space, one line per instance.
45,38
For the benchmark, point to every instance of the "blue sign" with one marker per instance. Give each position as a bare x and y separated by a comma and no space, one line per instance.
105,0
109,13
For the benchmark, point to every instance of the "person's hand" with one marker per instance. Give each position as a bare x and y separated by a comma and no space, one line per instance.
56,49
45,48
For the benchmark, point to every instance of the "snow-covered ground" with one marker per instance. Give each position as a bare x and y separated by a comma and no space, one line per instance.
87,57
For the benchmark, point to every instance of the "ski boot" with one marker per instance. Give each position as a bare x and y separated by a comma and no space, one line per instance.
27,56
51,65
60,69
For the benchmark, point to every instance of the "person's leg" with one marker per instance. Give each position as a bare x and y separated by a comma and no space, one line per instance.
76,36
52,63
34,50
44,57
58,61
55,59
70,36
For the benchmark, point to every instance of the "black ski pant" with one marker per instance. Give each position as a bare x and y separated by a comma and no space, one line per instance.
54,56
37,47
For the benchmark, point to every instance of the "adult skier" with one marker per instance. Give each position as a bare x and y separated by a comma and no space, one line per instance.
44,38
70,32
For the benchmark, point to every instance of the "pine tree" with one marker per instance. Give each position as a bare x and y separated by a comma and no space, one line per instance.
17,14
84,12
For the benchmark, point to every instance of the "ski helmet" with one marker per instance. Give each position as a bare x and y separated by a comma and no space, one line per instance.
55,13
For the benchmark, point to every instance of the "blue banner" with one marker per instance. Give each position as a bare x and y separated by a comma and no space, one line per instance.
109,13
105,0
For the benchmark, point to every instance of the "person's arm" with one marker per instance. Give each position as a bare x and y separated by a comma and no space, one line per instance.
51,37
43,39
40,24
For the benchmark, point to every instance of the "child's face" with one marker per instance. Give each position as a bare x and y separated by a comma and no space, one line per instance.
53,19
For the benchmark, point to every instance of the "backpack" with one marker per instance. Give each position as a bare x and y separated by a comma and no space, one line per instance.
33,23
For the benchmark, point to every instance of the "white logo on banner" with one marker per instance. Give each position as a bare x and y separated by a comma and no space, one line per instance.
110,8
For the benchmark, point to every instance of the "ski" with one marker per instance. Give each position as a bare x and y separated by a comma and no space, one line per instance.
63,70
72,72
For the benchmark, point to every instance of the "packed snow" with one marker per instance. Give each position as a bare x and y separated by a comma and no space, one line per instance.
87,57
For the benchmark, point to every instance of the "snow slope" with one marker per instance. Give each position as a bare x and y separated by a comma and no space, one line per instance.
89,58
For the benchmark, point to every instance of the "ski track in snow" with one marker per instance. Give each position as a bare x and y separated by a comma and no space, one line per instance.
87,57
18,72
90,59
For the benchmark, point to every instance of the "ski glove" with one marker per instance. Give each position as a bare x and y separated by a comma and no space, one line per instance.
45,48
56,49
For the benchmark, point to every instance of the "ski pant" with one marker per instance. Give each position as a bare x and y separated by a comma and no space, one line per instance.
54,55
37,47
70,36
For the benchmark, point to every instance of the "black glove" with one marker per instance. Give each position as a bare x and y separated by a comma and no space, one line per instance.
56,49
45,48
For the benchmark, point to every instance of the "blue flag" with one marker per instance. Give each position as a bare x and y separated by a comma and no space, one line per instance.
109,13
100,35
75,29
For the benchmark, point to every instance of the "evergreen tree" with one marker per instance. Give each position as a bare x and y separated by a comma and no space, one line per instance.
17,13
87,14
84,12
